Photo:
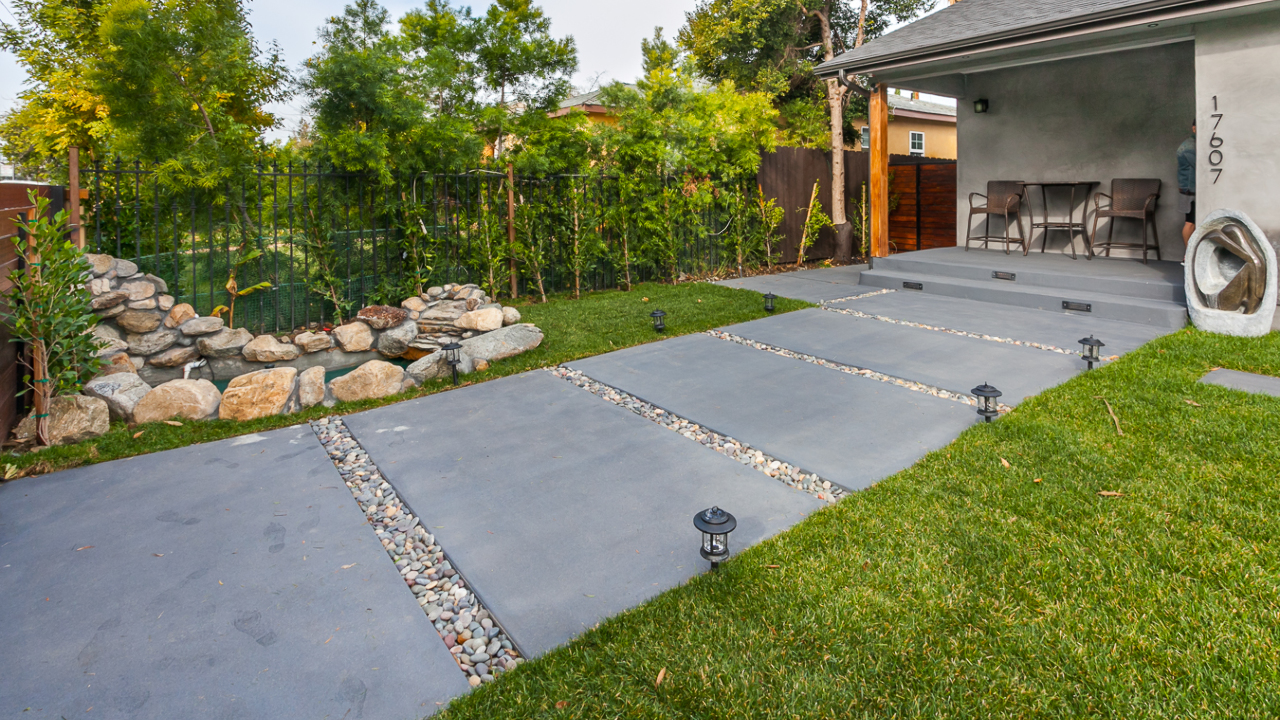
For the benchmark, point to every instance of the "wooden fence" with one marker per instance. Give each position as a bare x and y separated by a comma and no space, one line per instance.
924,214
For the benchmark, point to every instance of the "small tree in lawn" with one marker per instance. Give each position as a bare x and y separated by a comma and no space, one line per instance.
48,310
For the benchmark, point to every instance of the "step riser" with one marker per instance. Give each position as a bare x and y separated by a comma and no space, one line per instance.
1010,295
1082,283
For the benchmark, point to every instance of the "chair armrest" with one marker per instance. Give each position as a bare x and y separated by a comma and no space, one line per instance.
971,196
1151,202
1097,205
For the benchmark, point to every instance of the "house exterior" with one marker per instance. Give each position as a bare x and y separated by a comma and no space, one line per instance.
588,103
916,127
1097,90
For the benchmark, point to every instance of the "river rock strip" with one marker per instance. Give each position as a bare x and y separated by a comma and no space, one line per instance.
479,645
783,472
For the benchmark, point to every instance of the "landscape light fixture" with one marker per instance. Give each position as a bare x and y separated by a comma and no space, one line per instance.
451,356
987,406
658,324
980,105
768,301
1089,348
715,525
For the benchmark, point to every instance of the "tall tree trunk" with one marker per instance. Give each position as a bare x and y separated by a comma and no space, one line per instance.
835,103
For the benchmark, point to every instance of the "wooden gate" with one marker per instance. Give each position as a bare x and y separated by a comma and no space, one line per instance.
924,215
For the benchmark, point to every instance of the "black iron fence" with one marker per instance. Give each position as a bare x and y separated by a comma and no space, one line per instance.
287,246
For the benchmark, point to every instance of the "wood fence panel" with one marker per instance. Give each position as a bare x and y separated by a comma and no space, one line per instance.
923,194
787,176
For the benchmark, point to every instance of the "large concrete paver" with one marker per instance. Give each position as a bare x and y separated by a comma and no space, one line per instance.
560,508
1063,330
945,360
811,285
208,581
1243,381
851,430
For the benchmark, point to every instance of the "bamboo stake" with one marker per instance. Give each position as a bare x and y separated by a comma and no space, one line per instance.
511,227
39,358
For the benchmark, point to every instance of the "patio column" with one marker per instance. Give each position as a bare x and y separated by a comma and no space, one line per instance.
879,197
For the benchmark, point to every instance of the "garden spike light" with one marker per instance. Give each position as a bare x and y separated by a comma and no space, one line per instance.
715,525
768,301
1089,350
988,408
451,356
658,324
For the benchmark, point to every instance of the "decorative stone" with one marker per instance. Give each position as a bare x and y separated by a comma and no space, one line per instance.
99,264
265,348
393,342
416,353
148,304
110,346
481,364
374,379
310,342
311,386
112,311
121,392
72,418
434,293
188,399
504,342
434,366
118,363
202,325
138,289
258,394
97,286
510,316
152,342
165,302
381,317
1230,276
107,332
108,300
179,314
159,282
125,268
414,304
174,357
354,336
138,321
482,320
224,343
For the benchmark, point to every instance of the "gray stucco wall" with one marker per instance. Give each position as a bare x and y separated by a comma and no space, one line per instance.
1093,118
1238,62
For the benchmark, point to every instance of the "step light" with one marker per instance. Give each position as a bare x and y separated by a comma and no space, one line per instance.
1002,275
1077,306
908,285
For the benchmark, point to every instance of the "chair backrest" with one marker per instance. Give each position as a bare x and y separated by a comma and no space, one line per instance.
1130,194
1004,193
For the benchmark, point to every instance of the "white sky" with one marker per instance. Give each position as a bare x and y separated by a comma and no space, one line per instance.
608,35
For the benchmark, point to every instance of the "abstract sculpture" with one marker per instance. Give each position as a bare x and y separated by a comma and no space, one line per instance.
1231,276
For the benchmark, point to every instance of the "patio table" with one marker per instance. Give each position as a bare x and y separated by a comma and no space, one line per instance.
1048,223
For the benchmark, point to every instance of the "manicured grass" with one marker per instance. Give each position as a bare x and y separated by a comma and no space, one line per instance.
962,588
597,323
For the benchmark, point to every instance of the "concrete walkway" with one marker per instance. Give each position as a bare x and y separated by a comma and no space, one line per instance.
241,579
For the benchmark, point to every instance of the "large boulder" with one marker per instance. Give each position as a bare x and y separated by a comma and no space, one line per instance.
201,326
120,391
265,348
258,394
174,357
482,320
510,316
151,342
179,314
381,317
224,343
310,342
374,379
189,399
72,418
434,366
139,321
504,342
311,386
393,342
354,336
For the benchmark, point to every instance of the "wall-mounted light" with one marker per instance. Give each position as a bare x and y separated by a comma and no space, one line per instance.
980,105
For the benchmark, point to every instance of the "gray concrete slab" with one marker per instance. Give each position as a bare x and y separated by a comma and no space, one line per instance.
848,429
810,285
1248,382
208,581
951,362
560,508
1052,328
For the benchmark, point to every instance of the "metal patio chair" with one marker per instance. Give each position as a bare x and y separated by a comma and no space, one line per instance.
1133,198
1004,198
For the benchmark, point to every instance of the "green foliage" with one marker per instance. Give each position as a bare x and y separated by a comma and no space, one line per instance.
47,303
814,221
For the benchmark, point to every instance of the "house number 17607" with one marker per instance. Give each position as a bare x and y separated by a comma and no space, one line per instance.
1215,142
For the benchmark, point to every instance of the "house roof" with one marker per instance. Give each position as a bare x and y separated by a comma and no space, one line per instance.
590,98
899,103
975,22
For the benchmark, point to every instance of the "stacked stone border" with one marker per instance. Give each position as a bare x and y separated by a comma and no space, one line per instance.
476,640
783,472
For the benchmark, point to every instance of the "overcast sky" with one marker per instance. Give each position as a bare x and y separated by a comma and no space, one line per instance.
607,32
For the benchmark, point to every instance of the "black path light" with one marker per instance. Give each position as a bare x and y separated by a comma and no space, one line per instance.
715,525
451,356
987,406
658,324
768,301
1089,350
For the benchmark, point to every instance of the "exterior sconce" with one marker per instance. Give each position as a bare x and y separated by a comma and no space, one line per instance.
658,324
987,406
715,525
1089,350
981,105
451,357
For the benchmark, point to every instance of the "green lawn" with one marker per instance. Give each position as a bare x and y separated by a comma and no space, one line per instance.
597,323
964,589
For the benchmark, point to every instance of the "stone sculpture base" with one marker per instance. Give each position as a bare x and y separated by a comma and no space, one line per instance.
1230,276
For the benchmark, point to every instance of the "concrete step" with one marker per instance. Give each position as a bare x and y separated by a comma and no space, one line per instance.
1104,305
1127,278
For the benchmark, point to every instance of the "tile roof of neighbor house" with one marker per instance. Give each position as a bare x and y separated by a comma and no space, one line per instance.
970,22
904,102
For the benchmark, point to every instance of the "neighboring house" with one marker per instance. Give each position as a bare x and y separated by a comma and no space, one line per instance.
590,104
1095,90
917,127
